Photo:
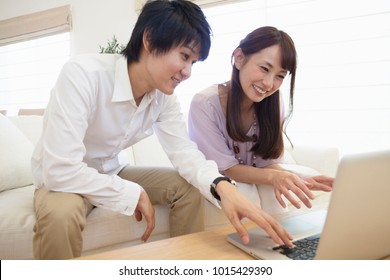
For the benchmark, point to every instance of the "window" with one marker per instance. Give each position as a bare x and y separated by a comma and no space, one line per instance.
29,69
342,95
33,48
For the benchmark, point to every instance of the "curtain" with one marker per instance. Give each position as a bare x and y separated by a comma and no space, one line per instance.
35,25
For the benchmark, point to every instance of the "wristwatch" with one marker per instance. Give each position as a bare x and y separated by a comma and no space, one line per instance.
215,183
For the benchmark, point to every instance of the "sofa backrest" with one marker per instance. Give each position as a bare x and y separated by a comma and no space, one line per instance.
31,126
147,152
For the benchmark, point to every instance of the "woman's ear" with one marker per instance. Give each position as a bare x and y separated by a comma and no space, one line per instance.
239,58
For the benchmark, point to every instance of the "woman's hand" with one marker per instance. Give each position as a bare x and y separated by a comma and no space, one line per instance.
286,183
320,183
236,207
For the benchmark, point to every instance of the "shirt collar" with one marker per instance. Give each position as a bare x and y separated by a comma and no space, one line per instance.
122,87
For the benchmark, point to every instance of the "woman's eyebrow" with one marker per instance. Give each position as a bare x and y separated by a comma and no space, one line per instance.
268,64
271,66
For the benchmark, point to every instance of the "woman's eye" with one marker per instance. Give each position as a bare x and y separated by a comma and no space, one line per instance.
265,69
281,77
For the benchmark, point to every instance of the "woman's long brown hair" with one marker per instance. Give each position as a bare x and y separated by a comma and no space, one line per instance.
269,144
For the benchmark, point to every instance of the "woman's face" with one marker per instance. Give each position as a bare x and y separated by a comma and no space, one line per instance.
261,73
166,71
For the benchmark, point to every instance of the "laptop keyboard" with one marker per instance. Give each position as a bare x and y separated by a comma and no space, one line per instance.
304,249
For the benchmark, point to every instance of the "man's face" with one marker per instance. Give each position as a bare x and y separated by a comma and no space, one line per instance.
168,70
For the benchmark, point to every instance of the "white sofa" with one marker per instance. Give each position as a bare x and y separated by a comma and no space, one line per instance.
105,229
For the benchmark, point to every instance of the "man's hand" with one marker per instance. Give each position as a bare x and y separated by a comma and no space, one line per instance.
146,209
236,207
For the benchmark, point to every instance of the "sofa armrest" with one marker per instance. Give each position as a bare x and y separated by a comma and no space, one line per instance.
323,159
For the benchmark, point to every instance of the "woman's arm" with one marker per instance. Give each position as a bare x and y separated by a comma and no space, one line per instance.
283,181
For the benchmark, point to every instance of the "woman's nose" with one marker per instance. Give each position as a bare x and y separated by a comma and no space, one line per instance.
268,82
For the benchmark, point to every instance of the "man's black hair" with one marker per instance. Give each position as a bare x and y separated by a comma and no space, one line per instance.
168,24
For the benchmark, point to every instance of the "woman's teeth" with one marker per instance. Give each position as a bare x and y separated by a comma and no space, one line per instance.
259,90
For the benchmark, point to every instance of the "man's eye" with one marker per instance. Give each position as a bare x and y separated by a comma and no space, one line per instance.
281,77
185,56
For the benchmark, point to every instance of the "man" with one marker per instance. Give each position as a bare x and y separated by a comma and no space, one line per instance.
102,104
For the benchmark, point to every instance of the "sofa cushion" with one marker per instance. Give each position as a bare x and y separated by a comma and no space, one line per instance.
17,219
106,228
16,151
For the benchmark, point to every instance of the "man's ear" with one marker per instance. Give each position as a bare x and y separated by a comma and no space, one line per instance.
239,58
145,41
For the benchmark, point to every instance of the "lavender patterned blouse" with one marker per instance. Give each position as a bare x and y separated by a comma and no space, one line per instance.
207,127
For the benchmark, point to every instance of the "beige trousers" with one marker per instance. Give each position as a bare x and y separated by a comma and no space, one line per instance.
61,217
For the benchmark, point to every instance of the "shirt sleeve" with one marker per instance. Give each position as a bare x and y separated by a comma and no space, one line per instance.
61,149
205,129
191,164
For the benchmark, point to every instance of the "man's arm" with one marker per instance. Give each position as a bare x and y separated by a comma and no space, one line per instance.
236,207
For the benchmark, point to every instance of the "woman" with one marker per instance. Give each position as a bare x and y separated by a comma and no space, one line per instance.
239,124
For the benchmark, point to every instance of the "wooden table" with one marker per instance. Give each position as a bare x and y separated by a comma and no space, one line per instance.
206,245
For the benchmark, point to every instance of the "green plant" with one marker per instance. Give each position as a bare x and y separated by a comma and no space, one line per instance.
113,46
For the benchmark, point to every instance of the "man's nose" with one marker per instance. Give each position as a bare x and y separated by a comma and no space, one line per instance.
186,71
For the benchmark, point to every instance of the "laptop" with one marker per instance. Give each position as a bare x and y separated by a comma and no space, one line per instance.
356,224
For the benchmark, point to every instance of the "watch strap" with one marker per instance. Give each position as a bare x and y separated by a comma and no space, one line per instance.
215,183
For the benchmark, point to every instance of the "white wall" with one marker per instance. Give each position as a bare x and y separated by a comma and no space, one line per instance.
94,22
